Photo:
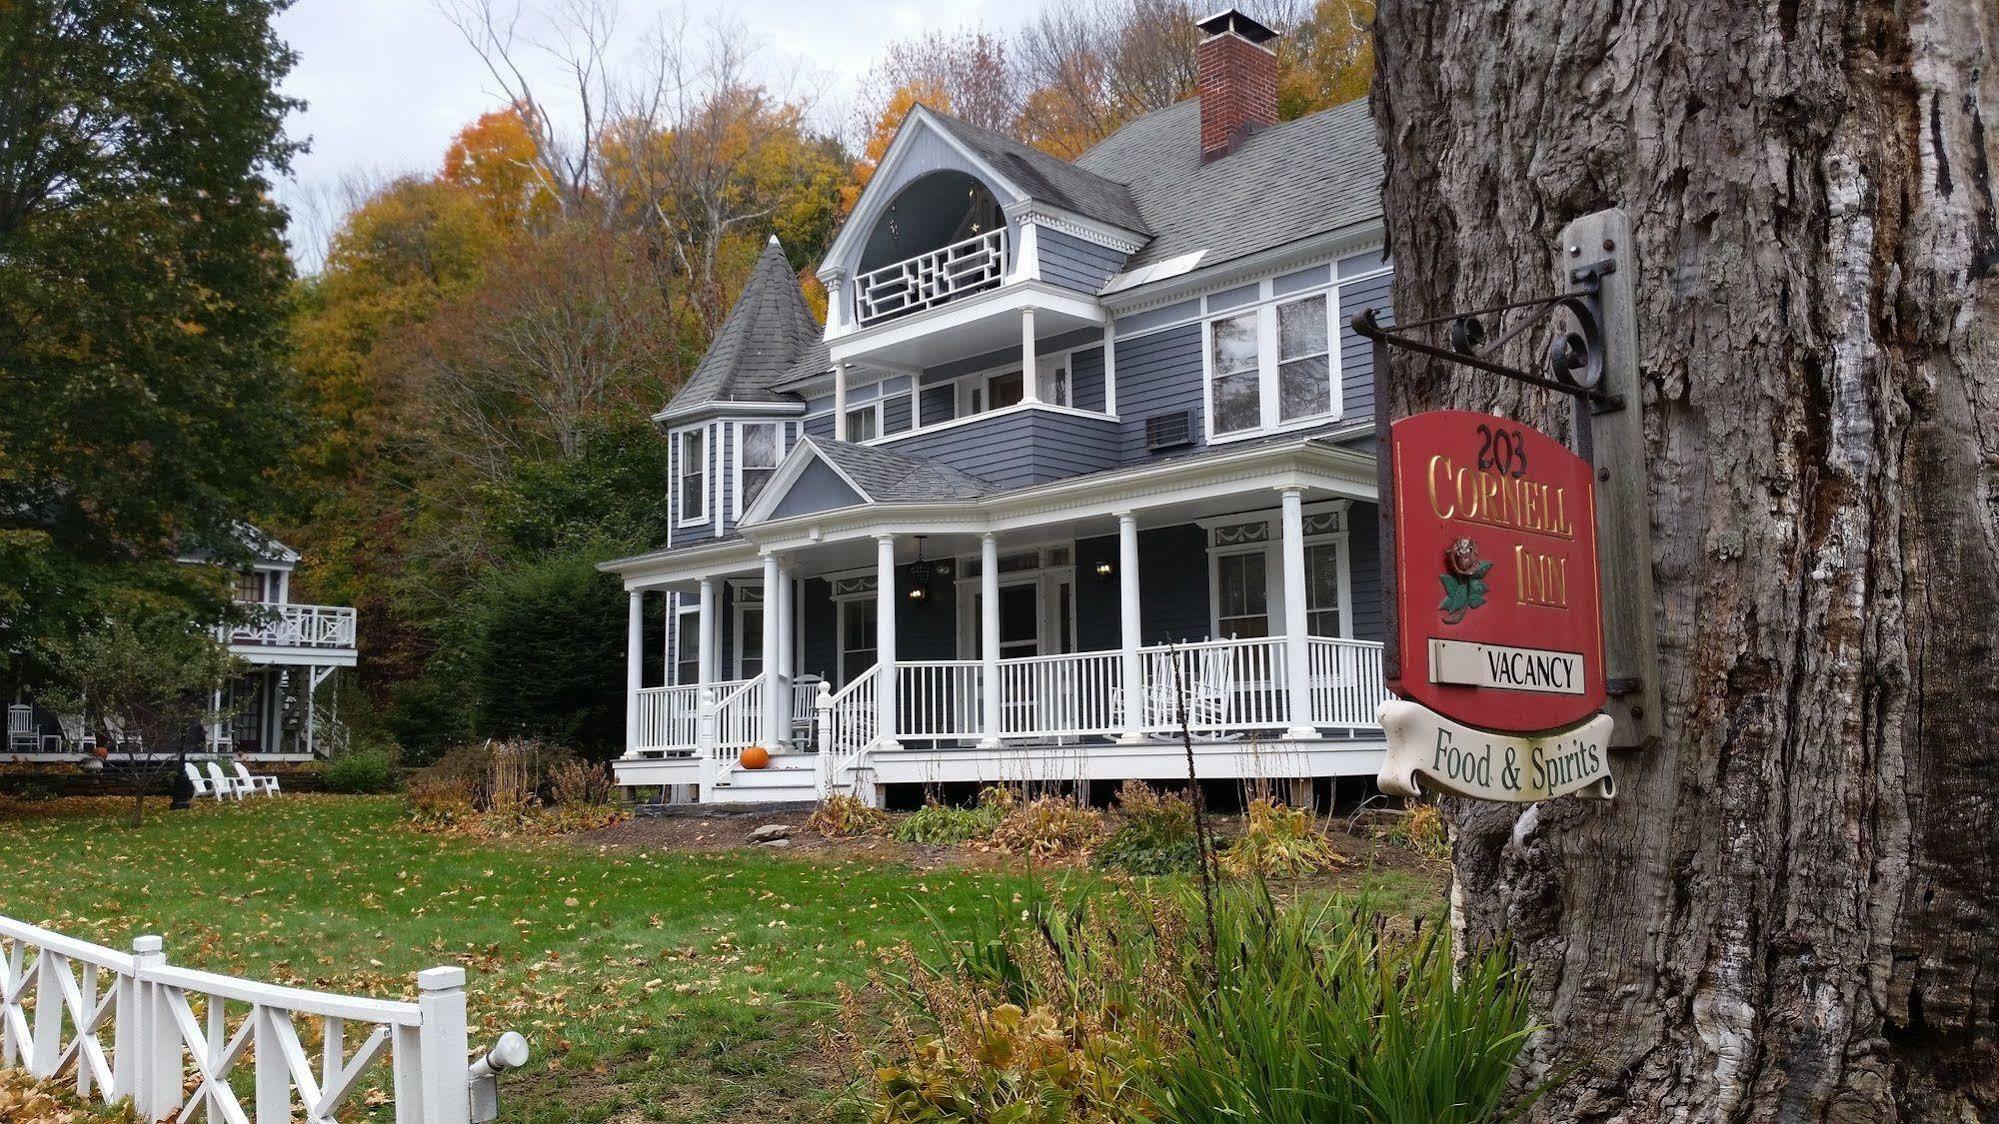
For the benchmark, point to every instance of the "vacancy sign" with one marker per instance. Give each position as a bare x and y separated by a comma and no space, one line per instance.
1500,618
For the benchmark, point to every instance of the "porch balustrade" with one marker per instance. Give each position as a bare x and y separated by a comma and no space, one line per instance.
926,280
1231,688
295,626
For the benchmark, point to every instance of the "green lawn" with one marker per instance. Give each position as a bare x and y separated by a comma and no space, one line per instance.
652,986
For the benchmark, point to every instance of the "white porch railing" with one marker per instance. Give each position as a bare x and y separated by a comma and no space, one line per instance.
1231,686
938,700
59,997
1346,682
669,720
1058,697
296,626
931,279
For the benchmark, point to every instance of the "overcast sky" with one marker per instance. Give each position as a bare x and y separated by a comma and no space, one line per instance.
389,82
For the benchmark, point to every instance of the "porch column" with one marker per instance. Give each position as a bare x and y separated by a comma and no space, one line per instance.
1133,668
885,599
839,401
989,637
634,665
708,654
1030,370
1110,367
786,657
668,638
1298,673
773,683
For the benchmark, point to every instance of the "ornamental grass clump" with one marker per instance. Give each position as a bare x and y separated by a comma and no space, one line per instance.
1279,842
1117,1009
513,787
841,816
1155,833
1048,827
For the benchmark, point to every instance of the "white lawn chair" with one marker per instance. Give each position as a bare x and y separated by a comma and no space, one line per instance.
255,782
224,786
201,786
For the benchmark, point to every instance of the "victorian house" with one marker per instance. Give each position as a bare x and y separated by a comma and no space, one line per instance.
1080,445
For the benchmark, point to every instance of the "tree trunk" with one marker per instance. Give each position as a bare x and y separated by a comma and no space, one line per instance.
1790,910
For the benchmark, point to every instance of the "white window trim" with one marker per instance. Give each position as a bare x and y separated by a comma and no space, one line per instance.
1272,548
684,609
782,446
1268,383
680,472
1044,577
737,605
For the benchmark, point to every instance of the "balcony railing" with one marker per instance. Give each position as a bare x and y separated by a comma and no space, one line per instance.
296,626
927,280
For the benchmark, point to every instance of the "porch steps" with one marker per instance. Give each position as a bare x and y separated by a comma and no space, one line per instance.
790,778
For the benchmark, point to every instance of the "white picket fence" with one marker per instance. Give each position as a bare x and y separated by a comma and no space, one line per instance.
171,1026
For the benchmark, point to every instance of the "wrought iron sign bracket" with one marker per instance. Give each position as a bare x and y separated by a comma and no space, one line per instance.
1575,362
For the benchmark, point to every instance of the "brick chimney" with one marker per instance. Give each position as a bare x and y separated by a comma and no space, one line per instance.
1238,80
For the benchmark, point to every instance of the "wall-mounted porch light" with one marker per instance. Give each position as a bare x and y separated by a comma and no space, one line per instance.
1105,569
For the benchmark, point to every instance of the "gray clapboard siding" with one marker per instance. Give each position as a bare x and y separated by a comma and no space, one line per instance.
1071,262
1086,379
1356,353
820,427
1022,447
1157,374
1364,545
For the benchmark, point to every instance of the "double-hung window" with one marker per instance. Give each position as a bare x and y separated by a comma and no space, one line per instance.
692,467
1242,594
1271,366
864,423
1322,589
687,645
758,447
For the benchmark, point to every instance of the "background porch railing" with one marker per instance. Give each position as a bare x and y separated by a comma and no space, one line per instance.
938,700
1066,696
296,626
1231,686
1346,682
926,280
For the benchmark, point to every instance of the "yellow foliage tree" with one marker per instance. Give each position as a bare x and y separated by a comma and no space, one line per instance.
496,159
1327,59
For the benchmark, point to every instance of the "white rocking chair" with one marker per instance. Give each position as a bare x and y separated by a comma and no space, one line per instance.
1210,684
21,734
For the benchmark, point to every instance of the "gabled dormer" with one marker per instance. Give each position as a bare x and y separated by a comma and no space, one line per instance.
955,211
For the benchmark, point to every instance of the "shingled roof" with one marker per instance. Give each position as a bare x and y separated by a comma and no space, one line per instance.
1289,181
767,332
893,478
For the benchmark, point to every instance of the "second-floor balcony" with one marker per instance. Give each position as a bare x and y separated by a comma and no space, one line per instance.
971,265
273,625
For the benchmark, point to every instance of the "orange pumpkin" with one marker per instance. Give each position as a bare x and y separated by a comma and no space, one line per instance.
755,757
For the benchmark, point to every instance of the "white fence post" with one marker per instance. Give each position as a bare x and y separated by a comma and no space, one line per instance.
44,1048
445,1051
156,1092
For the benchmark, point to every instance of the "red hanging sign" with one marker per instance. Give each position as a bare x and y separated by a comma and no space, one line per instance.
1499,616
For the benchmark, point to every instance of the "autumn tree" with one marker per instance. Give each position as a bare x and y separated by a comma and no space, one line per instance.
143,293
881,133
497,159
1791,909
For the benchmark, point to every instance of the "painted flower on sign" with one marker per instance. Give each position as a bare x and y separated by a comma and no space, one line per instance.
1464,580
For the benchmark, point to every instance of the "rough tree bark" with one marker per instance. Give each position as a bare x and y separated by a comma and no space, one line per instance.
1791,912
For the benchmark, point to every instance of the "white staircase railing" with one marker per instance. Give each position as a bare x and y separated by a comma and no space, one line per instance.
926,280
59,996
847,723
739,714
